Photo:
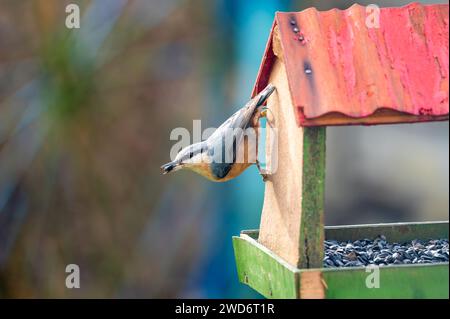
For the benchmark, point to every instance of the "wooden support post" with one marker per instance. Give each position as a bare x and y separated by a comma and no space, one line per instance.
292,217
311,225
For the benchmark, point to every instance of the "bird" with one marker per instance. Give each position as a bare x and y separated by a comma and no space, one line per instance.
230,149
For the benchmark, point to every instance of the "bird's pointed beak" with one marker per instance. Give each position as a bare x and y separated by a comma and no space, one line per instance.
264,94
169,167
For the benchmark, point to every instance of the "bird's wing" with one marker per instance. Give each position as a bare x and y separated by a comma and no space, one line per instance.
226,138
230,134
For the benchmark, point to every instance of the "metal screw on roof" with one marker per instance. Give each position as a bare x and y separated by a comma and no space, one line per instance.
293,22
296,29
308,71
301,37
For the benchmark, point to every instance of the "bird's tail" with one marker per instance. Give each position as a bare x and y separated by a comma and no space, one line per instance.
264,94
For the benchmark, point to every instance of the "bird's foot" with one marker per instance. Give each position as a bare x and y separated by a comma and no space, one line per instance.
264,174
270,118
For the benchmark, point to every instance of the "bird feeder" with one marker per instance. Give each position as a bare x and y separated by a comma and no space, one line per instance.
341,67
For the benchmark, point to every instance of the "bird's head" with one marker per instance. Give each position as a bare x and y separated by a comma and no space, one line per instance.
189,157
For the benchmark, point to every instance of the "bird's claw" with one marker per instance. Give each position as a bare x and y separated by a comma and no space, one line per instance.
263,113
264,174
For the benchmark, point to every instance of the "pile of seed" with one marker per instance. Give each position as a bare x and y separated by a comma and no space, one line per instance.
380,252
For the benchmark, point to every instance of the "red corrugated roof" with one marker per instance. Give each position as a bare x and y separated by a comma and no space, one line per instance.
338,65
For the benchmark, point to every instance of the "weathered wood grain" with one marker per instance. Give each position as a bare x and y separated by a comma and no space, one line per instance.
262,270
313,198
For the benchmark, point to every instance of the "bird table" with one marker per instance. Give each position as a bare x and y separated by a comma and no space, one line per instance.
359,66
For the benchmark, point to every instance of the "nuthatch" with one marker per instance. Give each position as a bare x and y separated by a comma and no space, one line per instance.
225,154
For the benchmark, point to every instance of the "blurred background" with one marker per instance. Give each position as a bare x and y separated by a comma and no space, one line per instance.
85,120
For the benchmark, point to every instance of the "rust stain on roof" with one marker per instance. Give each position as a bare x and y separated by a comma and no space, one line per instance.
343,71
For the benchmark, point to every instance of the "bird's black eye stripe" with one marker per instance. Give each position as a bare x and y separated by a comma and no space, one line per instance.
191,154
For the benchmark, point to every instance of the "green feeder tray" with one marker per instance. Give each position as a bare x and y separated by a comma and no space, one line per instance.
272,277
